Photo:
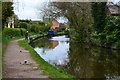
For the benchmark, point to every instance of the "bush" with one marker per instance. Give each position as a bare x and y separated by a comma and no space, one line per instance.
36,28
112,29
113,23
111,34
31,28
13,32
23,25
27,21
44,28
116,44
41,23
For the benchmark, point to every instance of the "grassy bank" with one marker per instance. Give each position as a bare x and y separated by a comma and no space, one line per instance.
50,70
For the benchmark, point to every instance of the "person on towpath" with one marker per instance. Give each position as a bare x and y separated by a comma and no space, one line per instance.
26,35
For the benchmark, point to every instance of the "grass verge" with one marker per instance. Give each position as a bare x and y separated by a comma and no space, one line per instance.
51,71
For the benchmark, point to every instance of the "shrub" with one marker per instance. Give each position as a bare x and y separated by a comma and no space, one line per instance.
36,28
116,44
41,23
31,28
111,34
13,32
112,29
44,28
23,25
27,21
112,24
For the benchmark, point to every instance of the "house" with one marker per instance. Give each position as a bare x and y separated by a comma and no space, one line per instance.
55,24
34,21
54,44
10,22
113,10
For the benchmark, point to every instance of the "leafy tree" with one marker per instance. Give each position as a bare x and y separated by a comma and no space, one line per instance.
78,15
16,21
27,21
99,15
23,25
7,11
112,30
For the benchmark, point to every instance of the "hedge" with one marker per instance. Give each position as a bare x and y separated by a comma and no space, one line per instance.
37,28
13,32
23,25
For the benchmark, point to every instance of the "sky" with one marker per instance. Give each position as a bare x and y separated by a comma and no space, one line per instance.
29,9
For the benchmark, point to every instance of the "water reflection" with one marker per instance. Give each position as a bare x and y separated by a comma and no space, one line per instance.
54,50
78,59
92,62
54,44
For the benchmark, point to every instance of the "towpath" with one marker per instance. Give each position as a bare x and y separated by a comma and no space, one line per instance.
13,63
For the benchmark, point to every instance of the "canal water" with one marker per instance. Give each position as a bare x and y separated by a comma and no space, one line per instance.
77,59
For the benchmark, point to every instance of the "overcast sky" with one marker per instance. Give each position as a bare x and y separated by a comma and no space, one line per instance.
28,9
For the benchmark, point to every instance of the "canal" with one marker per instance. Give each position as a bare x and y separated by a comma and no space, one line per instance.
78,59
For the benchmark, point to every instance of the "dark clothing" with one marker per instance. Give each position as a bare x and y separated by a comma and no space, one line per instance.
26,35
41,32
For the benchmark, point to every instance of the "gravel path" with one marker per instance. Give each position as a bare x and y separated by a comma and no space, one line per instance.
14,66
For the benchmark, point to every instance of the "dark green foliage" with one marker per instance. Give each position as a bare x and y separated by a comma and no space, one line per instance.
16,24
16,21
110,35
31,28
43,28
112,30
7,11
27,21
107,27
37,28
13,32
23,25
97,60
116,44
45,43
113,23
42,23
99,15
